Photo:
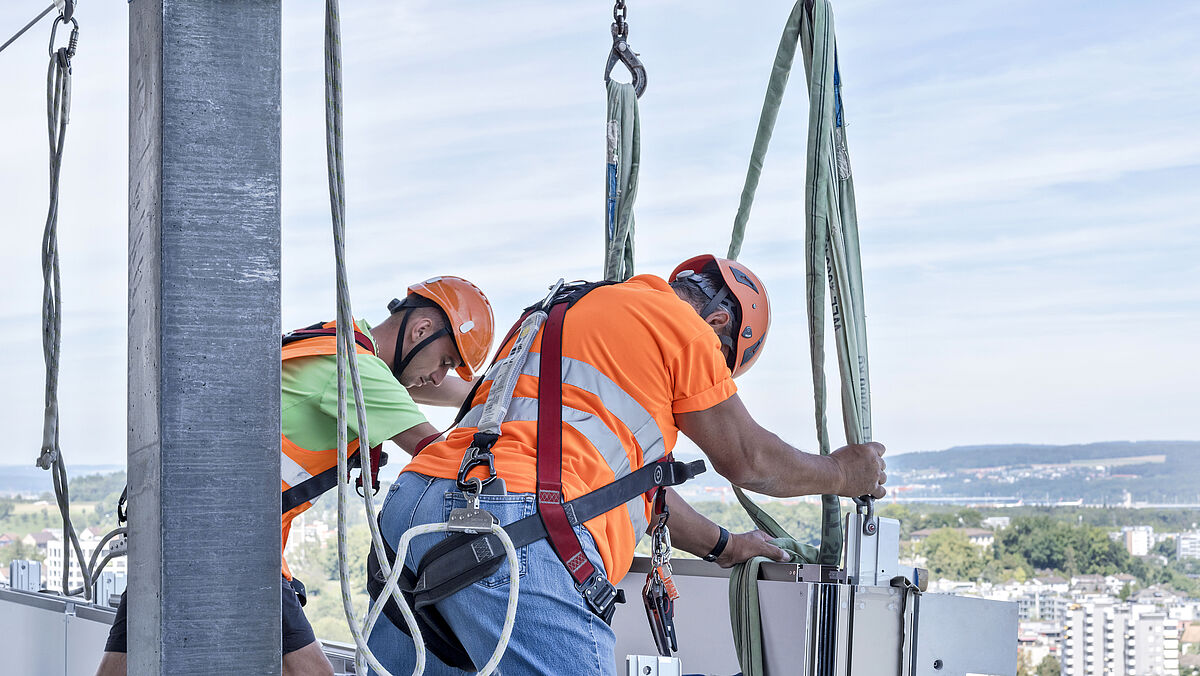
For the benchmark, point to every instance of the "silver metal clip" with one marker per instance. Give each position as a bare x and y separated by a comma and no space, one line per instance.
471,519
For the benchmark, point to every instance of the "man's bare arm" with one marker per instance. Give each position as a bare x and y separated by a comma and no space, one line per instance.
409,438
450,392
753,458
692,532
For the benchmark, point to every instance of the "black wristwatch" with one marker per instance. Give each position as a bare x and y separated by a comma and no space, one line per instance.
720,546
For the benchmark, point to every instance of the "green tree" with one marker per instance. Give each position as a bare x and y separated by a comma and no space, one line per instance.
6,508
1125,592
19,550
1049,666
1024,668
969,518
1165,548
951,555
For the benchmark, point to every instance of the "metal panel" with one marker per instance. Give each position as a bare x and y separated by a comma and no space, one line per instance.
701,617
204,336
872,559
876,634
48,635
959,635
788,615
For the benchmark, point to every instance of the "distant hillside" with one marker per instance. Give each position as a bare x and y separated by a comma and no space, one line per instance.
30,480
1151,471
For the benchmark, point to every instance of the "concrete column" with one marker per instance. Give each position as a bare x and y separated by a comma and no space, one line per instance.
204,172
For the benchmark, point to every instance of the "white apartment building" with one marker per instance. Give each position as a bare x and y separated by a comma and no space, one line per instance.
1187,546
1103,637
89,538
1138,539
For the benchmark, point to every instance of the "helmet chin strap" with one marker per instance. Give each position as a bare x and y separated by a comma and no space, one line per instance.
399,363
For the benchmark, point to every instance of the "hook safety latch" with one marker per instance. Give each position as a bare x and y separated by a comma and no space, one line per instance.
621,51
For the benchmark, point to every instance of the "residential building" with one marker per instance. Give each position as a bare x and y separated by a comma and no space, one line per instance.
977,536
40,539
1138,539
1104,637
89,539
1187,546
997,522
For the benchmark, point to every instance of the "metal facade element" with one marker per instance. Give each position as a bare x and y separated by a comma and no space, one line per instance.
204,368
48,635
827,628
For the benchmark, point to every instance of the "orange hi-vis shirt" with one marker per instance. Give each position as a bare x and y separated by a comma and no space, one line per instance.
634,356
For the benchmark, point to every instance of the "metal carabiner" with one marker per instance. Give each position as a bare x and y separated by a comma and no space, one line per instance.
74,41
621,51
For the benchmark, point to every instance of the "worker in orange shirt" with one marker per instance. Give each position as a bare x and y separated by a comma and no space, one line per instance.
565,440
442,323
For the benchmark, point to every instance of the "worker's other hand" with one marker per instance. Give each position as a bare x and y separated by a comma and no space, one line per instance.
862,470
744,546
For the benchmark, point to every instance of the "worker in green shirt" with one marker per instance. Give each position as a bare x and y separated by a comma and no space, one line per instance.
443,323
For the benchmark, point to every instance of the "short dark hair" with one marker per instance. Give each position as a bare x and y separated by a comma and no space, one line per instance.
702,286
421,307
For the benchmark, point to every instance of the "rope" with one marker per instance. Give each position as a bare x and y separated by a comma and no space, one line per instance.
347,358
118,551
392,587
623,141
58,113
29,25
831,254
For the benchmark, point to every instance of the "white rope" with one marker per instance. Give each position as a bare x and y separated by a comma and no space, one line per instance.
392,585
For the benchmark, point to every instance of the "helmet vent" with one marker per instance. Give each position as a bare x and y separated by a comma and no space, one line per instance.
466,326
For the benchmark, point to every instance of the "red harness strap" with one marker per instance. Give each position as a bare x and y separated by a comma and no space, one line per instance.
549,454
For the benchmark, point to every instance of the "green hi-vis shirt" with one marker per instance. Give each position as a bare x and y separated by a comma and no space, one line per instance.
310,397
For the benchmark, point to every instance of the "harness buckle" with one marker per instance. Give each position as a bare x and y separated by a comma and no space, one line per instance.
601,596
478,455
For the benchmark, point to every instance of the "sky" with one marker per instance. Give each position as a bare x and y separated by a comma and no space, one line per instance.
1026,178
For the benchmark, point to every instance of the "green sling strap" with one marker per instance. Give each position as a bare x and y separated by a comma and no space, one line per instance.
623,149
831,254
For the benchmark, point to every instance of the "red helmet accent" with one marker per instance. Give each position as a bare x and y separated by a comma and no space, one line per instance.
470,316
753,306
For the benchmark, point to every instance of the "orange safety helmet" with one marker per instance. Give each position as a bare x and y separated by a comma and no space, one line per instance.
469,314
753,312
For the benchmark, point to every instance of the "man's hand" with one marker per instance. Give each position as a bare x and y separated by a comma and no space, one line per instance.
743,546
861,467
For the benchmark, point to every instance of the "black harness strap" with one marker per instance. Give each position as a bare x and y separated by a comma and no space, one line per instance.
318,330
313,487
460,560
440,570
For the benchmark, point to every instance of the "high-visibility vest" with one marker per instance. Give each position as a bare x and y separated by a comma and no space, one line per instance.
306,474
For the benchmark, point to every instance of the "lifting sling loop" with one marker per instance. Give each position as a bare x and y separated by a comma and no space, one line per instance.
832,257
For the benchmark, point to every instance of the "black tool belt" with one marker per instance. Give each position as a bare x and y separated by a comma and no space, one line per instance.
463,559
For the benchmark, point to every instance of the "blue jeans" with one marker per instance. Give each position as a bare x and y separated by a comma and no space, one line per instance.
555,633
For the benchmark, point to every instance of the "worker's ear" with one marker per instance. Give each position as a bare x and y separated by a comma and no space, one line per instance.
719,319
419,327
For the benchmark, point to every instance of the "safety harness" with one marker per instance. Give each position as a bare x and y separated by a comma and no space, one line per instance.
309,489
463,559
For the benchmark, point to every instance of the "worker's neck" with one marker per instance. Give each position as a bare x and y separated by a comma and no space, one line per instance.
385,340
